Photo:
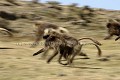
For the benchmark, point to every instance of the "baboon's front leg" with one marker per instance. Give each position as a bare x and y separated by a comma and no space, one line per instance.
40,51
117,38
108,37
55,53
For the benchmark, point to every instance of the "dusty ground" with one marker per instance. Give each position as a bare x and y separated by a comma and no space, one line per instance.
17,63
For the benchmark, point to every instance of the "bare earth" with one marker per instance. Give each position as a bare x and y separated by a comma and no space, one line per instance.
17,63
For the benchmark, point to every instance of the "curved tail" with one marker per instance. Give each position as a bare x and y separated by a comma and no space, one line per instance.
98,48
95,41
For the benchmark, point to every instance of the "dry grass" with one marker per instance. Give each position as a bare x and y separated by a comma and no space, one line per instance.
19,64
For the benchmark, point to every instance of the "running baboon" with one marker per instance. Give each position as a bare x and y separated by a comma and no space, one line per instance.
70,48
67,46
58,44
113,29
41,29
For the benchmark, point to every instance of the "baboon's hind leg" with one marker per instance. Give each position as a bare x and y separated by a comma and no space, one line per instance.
60,60
75,53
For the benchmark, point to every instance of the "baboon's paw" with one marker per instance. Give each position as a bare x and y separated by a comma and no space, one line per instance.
35,54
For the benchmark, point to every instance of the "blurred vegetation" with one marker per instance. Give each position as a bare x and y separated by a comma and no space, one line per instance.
53,2
21,15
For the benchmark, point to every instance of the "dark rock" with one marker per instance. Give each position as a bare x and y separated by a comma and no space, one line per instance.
61,74
8,15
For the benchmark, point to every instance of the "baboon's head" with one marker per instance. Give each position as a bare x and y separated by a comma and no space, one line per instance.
112,23
50,32
51,35
113,27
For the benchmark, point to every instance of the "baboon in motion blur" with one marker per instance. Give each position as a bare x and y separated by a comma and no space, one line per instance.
41,29
67,46
113,29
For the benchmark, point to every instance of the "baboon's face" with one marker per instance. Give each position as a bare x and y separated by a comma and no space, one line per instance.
49,33
45,36
50,36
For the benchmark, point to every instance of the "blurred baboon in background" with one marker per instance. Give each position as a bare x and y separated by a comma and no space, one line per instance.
113,27
41,28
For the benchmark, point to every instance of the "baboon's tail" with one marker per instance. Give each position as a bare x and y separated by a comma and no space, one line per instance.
98,48
95,41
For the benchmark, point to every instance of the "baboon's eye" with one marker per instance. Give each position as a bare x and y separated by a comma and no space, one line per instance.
61,31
